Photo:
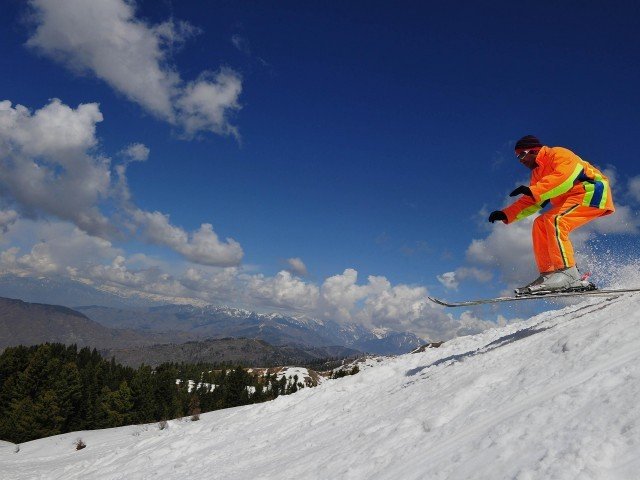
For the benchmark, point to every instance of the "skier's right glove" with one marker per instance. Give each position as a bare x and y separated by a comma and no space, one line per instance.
497,215
521,190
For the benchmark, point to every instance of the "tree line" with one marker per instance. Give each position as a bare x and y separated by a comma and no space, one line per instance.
54,388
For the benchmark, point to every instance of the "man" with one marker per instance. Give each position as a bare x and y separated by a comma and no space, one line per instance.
578,193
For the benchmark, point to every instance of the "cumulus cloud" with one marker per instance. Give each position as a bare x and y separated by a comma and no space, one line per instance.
378,303
107,40
624,220
283,291
395,306
205,103
506,248
216,285
59,248
340,293
7,218
202,246
57,130
43,156
297,266
451,280
136,152
50,168
634,188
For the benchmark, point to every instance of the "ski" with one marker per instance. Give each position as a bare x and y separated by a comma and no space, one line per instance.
532,296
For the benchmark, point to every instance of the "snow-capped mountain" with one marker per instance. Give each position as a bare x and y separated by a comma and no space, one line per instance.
157,314
551,397
277,329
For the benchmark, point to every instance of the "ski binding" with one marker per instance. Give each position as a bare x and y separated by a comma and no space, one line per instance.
591,290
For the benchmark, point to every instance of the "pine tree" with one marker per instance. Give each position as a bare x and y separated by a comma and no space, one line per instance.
115,406
48,415
143,396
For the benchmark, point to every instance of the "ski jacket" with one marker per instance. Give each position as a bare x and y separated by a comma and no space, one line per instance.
562,178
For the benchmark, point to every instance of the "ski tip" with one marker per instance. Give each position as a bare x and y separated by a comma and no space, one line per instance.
439,302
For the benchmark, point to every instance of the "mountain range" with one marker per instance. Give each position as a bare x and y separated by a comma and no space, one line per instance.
277,329
171,323
23,323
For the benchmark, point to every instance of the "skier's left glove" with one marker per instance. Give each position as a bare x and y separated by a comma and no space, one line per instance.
521,190
497,215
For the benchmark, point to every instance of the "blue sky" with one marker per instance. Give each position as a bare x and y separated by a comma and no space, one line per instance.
323,138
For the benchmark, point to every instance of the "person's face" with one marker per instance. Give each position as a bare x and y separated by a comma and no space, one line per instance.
528,158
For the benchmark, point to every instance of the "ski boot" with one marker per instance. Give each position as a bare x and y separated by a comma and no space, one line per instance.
538,281
564,280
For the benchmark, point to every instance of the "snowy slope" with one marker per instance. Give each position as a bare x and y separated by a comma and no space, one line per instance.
554,397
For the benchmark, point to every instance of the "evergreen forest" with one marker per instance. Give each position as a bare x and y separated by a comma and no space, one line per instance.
50,389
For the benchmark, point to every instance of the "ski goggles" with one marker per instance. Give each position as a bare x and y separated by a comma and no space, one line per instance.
523,154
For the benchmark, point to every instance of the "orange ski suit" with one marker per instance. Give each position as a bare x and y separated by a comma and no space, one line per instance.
578,193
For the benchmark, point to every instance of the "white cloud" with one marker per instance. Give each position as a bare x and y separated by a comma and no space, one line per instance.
56,130
623,220
66,251
44,166
202,246
58,247
380,304
118,273
216,285
205,103
39,260
339,295
7,218
507,248
49,168
451,280
136,152
106,39
394,306
634,188
297,266
283,291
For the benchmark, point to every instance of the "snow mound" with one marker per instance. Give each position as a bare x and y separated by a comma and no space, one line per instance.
555,396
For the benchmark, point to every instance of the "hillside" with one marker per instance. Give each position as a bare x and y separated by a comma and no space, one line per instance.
23,323
551,397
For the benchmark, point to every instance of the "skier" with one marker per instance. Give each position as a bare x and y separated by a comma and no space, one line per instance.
578,193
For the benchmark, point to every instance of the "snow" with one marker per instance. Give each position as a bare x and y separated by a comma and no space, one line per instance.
380,333
306,377
303,374
552,397
192,385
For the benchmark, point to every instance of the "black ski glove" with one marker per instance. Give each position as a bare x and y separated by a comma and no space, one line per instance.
497,215
521,190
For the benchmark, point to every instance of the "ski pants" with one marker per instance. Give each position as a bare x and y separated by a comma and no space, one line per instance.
551,245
